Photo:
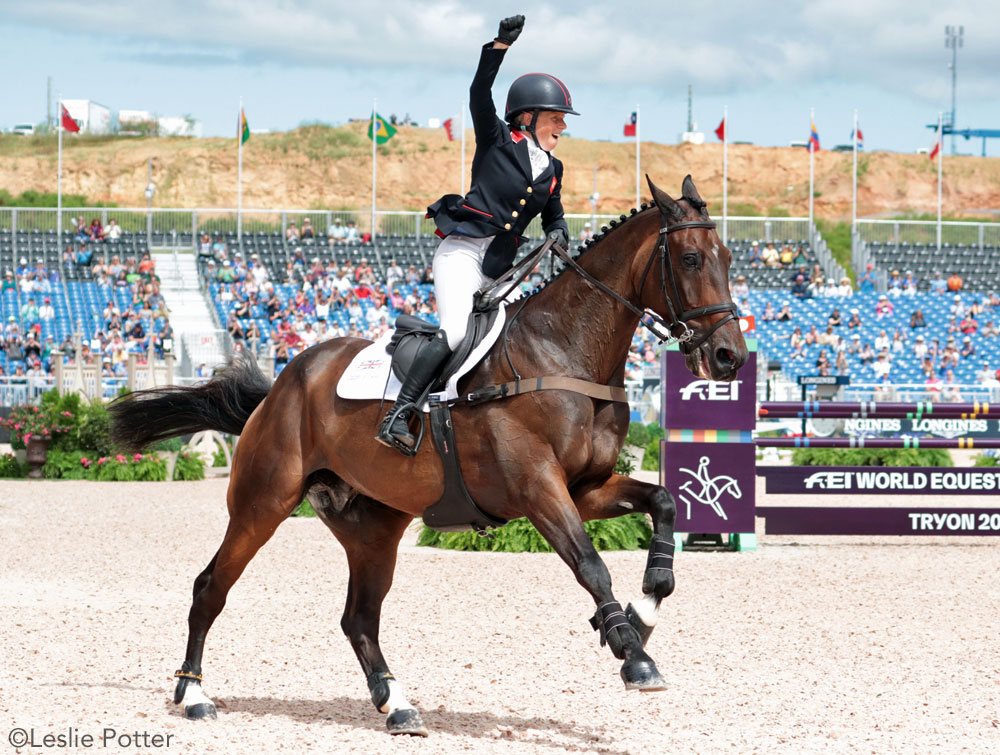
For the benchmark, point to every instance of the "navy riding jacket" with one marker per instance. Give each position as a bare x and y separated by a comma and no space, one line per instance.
504,197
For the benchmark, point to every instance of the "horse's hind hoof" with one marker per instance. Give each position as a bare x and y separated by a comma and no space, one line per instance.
200,711
643,630
643,676
406,721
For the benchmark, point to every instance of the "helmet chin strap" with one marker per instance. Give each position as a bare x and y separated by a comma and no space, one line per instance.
530,128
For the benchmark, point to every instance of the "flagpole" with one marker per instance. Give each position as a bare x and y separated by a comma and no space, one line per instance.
812,118
940,157
854,181
59,179
462,177
374,143
239,175
725,174
637,184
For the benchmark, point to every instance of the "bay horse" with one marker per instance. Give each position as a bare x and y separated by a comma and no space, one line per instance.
547,455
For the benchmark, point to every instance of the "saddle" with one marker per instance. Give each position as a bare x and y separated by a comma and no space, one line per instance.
413,333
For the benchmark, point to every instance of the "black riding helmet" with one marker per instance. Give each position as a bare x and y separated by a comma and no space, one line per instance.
533,93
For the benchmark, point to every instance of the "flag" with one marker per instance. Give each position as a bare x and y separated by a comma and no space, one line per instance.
67,121
382,130
813,137
937,145
630,126
861,138
447,129
721,131
243,129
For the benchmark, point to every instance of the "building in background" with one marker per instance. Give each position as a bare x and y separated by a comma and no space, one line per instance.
145,123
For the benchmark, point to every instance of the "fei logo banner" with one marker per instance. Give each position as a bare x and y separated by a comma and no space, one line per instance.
693,403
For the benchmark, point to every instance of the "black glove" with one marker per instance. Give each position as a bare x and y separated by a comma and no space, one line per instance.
510,29
560,237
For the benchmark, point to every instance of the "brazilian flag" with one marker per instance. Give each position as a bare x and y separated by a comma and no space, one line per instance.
380,129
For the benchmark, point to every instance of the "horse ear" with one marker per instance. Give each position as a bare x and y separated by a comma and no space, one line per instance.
667,205
690,193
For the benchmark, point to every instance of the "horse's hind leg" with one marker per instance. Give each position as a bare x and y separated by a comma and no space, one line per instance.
370,533
617,496
254,516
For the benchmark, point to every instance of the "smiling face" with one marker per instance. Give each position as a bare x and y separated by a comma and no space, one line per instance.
548,127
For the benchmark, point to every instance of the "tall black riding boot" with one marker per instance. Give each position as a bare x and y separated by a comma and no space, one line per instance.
395,431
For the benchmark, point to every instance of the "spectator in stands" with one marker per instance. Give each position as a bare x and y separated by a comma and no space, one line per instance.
917,319
990,331
812,336
909,284
225,275
992,301
834,319
337,233
919,347
29,312
894,286
968,349
830,290
968,325
854,345
81,231
95,232
291,232
307,230
822,360
800,289
46,312
235,328
882,367
587,233
785,313
219,248
882,341
770,256
867,355
428,276
9,284
868,281
949,388
842,365
884,307
954,282
938,284
754,257
740,288
958,308
898,342
113,232
351,235
205,246
815,287
829,338
786,256
992,384
984,374
769,313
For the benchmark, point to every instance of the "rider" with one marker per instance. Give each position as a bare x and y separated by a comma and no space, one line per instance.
514,178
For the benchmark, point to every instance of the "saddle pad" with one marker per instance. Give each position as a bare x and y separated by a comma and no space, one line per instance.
366,375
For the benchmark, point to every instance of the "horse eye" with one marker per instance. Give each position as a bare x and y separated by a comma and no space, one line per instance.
690,260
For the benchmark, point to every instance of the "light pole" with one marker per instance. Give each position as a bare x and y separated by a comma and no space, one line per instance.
953,38
593,204
149,192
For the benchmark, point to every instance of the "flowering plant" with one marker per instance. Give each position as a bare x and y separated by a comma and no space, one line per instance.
29,420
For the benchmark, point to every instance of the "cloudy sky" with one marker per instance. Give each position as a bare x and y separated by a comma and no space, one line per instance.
296,61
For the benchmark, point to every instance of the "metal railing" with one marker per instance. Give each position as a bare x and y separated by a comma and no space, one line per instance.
896,233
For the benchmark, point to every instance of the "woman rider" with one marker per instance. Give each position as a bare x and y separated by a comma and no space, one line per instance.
514,179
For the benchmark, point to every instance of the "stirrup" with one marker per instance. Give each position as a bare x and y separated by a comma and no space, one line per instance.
388,439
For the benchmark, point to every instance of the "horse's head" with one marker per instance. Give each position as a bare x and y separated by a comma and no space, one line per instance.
686,282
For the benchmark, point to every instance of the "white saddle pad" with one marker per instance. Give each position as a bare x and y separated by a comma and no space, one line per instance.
366,376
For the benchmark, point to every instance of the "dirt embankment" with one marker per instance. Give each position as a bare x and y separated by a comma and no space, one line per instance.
330,168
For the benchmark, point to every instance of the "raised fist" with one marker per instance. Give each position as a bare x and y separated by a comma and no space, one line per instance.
510,29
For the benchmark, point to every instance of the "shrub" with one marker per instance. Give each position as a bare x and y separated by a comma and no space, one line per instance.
10,468
982,460
304,509
36,420
189,466
872,457
630,532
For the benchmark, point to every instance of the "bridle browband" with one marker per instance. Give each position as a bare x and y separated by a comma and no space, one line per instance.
688,340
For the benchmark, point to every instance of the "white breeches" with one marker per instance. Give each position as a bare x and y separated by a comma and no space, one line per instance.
458,274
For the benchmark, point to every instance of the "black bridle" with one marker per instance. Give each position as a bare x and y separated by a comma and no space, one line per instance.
688,339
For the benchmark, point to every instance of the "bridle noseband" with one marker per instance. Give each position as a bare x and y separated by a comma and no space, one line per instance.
688,340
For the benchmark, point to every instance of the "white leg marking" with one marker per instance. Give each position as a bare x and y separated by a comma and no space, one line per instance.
194,695
397,700
647,609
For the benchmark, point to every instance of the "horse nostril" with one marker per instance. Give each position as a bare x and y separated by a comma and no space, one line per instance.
725,358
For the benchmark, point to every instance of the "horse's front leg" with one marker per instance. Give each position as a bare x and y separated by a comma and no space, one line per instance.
554,514
617,496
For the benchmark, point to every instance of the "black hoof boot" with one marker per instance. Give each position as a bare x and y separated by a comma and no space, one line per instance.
406,721
200,712
641,674
641,629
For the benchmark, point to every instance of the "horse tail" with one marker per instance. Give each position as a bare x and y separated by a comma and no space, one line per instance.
224,403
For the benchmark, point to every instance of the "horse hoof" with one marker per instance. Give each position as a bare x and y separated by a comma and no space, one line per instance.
200,711
643,630
406,721
643,676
